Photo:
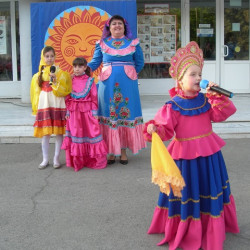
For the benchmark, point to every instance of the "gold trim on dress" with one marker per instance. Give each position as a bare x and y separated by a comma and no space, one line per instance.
193,138
205,213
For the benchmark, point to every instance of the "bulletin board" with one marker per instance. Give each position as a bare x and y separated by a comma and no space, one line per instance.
157,34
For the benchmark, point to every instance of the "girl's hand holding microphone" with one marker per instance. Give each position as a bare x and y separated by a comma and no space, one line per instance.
52,78
208,88
214,89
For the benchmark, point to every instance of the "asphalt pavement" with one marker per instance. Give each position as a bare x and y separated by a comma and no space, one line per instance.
107,209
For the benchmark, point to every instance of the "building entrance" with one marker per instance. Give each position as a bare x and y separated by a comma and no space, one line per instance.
221,28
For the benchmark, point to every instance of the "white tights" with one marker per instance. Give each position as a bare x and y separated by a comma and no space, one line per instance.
45,149
58,144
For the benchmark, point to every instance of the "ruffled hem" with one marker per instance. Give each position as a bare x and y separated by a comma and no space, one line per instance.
91,150
79,162
207,232
119,52
203,146
122,138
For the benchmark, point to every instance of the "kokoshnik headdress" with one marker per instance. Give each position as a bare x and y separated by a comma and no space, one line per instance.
184,58
106,30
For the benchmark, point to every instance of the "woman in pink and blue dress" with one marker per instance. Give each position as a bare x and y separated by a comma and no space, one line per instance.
119,112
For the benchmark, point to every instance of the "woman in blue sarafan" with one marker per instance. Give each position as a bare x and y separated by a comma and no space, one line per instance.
119,111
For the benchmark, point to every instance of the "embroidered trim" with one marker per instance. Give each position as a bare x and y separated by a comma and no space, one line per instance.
84,139
193,138
212,198
118,123
118,64
205,213
130,49
205,101
226,104
85,91
117,44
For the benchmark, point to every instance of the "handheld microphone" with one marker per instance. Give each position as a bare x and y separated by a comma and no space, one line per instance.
204,85
52,70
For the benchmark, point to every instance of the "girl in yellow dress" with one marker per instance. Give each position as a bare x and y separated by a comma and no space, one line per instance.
48,88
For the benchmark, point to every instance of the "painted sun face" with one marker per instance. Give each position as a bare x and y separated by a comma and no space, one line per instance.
75,34
80,40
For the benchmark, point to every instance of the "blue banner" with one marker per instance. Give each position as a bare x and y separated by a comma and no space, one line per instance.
72,28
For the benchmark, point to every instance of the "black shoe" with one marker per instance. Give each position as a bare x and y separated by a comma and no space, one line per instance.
123,162
110,162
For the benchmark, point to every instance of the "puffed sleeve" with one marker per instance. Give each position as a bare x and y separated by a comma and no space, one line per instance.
165,121
138,58
63,84
97,57
221,107
34,93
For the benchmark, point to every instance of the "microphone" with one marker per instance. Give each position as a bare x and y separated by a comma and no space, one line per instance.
52,70
204,85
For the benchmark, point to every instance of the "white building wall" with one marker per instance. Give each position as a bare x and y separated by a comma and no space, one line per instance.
25,49
21,89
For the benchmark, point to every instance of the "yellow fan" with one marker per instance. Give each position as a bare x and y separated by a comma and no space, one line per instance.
165,172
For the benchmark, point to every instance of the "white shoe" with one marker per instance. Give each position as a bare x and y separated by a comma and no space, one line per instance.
56,165
43,165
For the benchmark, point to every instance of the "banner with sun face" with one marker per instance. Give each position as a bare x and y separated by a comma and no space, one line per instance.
72,28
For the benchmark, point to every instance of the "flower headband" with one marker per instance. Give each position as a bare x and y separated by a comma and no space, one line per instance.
184,58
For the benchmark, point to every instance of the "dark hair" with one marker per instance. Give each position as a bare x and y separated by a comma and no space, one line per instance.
40,77
47,49
117,17
81,61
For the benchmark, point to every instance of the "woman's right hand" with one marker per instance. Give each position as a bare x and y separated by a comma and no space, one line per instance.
151,128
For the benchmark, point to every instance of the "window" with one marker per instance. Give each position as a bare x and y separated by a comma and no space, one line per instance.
203,26
9,42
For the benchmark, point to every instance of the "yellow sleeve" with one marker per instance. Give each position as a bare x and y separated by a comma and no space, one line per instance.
63,84
34,93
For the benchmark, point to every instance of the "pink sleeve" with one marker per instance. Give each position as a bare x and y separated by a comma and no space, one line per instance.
94,101
165,121
221,108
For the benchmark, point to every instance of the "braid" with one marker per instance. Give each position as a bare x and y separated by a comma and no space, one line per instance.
40,77
88,71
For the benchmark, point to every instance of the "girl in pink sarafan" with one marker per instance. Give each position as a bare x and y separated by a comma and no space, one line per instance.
83,143
206,209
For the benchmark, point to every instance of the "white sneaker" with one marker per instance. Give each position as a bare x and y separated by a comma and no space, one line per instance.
43,165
